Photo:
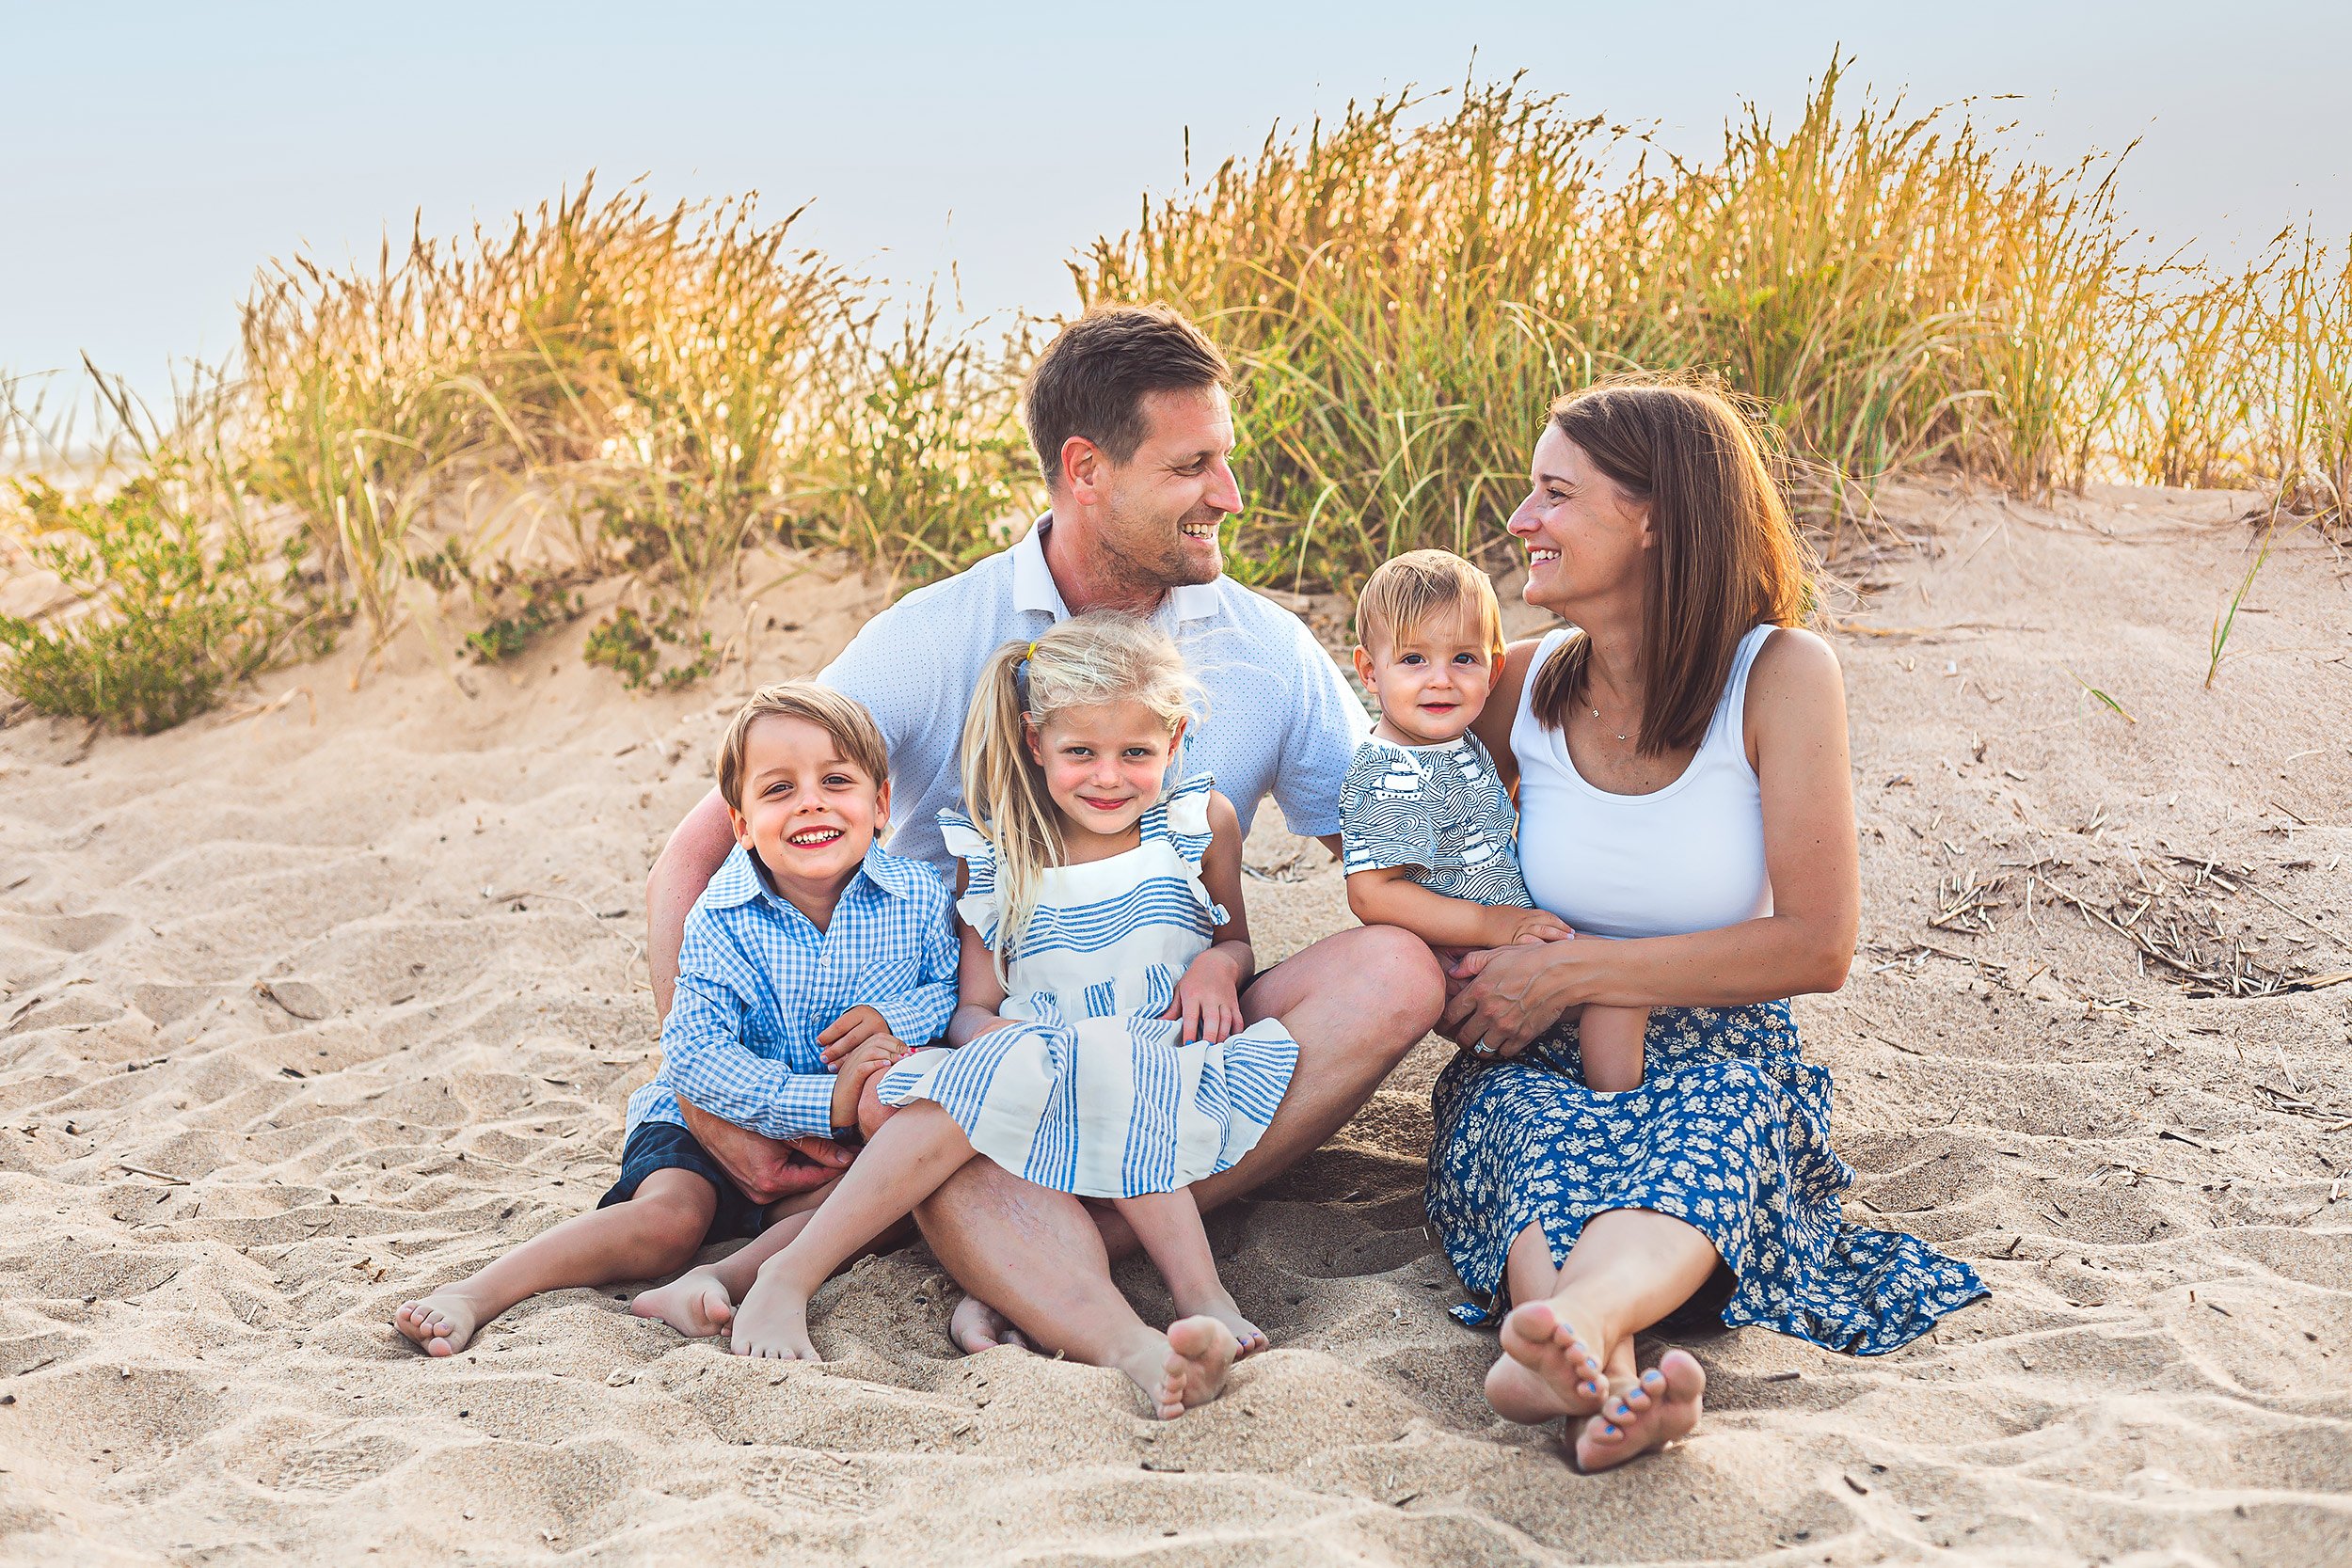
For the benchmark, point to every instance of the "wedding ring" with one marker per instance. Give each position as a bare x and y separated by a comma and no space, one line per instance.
1483,1049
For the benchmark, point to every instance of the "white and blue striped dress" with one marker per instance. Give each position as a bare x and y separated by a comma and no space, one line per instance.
1094,1093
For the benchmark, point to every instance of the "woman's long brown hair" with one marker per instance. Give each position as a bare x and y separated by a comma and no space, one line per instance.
1727,558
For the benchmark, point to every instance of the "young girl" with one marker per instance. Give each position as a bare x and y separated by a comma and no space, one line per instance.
1100,1047
1425,828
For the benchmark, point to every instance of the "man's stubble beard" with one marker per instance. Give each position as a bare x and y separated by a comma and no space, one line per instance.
1165,568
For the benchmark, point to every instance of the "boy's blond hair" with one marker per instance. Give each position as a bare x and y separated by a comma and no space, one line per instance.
1408,590
844,719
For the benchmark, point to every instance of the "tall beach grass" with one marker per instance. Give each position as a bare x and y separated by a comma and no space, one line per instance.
603,384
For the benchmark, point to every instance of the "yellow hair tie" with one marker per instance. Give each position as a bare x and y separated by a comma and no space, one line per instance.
1032,653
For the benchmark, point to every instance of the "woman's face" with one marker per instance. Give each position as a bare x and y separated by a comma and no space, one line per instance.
1584,540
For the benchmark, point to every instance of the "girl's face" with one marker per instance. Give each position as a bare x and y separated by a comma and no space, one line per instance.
1103,765
1584,540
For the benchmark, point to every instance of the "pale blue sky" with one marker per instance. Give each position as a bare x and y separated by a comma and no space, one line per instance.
156,154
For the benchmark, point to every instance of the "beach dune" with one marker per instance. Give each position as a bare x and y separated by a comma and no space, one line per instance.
305,1009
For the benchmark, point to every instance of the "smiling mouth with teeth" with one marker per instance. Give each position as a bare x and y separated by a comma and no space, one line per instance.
1197,531
1537,558
813,838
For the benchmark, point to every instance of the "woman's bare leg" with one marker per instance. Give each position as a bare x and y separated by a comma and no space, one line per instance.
1169,1226
660,1227
1630,1267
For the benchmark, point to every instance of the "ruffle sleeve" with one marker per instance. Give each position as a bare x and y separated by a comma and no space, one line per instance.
1387,812
1183,820
964,839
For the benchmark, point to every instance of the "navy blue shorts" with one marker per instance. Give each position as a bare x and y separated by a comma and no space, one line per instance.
666,1146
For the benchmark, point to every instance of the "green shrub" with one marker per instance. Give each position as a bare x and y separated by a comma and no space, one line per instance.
170,618
541,604
630,646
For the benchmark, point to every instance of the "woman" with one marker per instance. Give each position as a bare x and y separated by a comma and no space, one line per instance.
1681,763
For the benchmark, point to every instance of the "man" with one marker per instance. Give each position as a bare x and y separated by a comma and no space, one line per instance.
1129,412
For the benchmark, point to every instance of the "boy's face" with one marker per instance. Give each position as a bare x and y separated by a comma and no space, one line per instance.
808,812
1103,765
1430,681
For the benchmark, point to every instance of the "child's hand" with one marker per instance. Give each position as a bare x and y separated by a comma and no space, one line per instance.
869,1058
1207,1001
846,1033
1509,927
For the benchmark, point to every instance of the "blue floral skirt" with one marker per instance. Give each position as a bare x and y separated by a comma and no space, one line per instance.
1730,1133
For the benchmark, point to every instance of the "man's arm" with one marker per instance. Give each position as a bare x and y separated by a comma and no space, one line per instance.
698,846
1326,725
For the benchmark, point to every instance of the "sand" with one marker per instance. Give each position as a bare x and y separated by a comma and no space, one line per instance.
299,1015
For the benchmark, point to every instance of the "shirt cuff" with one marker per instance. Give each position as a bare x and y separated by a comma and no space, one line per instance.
915,1018
803,1108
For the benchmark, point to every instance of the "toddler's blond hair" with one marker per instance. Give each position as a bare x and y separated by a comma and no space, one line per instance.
1407,590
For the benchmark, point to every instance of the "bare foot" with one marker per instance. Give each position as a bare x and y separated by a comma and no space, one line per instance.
1199,1353
1546,1367
443,1322
694,1304
1247,1336
773,1322
1661,1405
975,1327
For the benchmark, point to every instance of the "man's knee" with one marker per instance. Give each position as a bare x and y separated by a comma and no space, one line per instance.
1400,980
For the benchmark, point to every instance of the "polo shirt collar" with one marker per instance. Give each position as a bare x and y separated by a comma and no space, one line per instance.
1034,589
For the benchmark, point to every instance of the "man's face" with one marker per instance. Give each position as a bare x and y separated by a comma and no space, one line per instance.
1159,511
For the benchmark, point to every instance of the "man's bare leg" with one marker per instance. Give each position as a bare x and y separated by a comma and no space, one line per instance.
1355,1003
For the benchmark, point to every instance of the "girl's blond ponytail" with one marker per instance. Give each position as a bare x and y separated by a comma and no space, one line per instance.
1005,792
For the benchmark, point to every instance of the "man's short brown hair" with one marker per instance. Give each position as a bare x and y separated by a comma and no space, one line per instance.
1091,380
844,719
1407,590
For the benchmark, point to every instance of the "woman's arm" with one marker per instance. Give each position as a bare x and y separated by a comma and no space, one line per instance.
1796,731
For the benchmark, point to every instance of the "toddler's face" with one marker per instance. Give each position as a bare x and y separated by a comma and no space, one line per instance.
808,812
1430,681
1103,765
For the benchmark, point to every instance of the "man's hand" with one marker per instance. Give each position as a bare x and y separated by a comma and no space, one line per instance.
764,1168
1507,927
870,1057
1208,1000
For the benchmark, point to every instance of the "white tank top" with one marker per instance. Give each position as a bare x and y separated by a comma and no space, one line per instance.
1689,857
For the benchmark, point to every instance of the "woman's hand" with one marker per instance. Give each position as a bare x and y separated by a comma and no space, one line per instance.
1510,995
1208,999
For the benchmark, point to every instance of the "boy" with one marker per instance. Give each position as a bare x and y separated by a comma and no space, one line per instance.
811,963
1425,826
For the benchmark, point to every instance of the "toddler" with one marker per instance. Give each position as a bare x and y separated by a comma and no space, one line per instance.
1425,826
806,963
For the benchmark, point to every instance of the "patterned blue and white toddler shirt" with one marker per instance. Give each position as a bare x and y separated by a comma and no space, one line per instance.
1438,809
757,983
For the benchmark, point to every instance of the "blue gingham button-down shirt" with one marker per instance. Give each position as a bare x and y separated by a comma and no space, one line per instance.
757,983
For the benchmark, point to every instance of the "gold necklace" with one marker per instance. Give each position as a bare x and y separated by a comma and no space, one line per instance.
1597,715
